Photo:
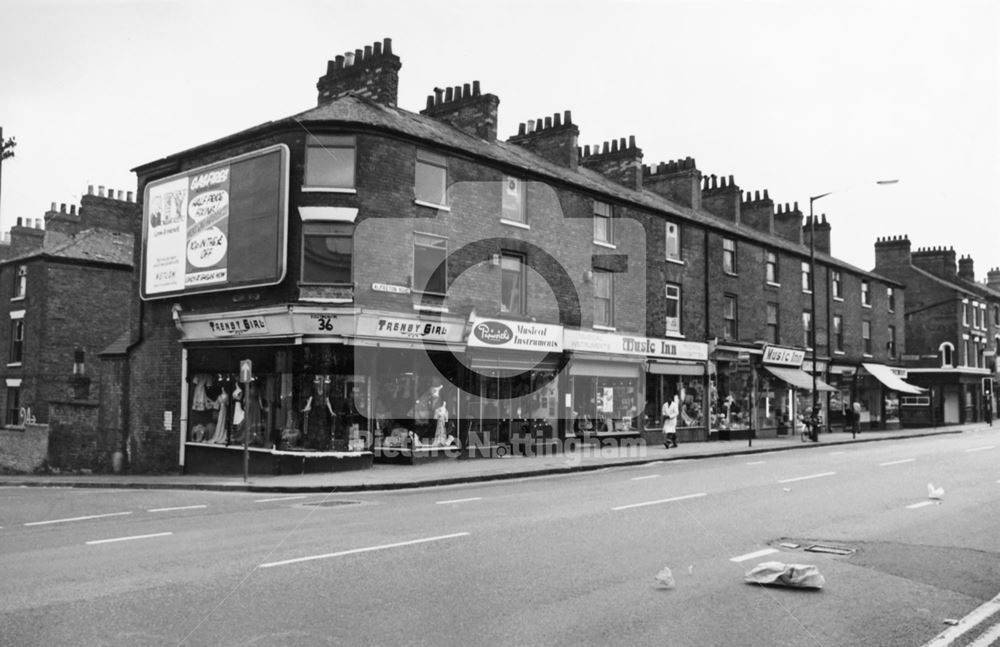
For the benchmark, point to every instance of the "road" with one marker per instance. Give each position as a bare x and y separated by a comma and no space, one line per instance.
560,560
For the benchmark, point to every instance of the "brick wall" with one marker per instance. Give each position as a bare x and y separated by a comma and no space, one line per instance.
24,450
75,438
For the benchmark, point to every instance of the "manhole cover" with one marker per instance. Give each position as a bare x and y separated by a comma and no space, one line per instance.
330,504
830,550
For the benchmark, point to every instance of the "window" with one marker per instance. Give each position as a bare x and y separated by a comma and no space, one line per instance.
891,345
673,245
514,200
977,314
772,323
771,267
20,281
729,256
603,232
729,316
835,285
866,295
13,417
965,353
947,354
17,339
603,298
890,294
807,319
330,162
965,312
512,283
807,282
838,333
327,252
866,337
673,316
431,179
996,315
429,264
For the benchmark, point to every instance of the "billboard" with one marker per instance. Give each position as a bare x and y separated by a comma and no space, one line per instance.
217,227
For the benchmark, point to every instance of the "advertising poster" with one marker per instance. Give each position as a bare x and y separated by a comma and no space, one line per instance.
207,227
167,237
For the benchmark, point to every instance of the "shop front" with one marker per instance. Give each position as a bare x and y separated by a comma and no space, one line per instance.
785,382
957,395
732,377
883,391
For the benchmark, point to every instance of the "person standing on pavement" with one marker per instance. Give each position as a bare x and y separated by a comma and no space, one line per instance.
856,416
670,411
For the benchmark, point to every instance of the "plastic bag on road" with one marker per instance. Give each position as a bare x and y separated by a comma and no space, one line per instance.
665,578
805,576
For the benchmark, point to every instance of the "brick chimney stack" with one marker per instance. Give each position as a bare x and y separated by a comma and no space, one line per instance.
465,108
721,197
616,160
677,180
788,222
554,139
939,261
26,236
372,72
993,278
892,252
965,270
822,229
757,212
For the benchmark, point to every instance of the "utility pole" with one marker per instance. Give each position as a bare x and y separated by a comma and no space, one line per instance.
6,150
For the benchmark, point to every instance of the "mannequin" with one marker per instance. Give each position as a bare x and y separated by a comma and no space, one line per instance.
318,414
222,404
441,431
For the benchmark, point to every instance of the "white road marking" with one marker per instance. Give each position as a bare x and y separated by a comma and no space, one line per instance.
899,462
363,550
979,449
835,453
93,516
986,639
282,498
108,541
753,555
948,636
756,463
670,500
181,507
804,478
642,478
914,506
471,498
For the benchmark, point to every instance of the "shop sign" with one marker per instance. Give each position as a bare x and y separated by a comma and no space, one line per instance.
369,325
516,335
238,326
783,356
898,372
595,342
388,287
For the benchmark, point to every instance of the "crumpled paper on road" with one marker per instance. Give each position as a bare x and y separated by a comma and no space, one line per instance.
665,578
804,576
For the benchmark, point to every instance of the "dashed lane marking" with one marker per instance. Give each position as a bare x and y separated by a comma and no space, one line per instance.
756,462
980,449
181,507
753,555
471,498
658,501
899,462
364,550
805,478
92,516
914,506
643,478
116,539
282,498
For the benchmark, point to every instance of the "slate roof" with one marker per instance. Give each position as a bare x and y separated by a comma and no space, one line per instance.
97,245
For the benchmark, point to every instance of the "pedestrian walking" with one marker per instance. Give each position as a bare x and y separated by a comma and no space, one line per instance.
856,416
670,412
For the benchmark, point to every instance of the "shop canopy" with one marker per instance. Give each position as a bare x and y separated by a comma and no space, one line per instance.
798,378
892,381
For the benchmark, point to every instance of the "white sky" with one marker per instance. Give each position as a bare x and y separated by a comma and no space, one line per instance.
799,98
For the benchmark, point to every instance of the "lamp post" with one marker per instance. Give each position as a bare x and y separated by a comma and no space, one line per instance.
814,413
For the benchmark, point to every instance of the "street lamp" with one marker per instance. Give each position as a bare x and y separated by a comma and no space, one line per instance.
814,414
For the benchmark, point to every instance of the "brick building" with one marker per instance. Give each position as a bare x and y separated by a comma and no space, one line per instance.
65,290
952,328
404,282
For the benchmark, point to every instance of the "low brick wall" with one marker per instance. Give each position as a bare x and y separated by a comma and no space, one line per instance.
24,450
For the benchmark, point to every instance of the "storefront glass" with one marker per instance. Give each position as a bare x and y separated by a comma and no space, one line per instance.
661,388
731,395
605,405
774,405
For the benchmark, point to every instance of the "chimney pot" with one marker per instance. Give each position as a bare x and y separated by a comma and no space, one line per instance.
53,207
475,88
62,208
100,190
90,190
129,197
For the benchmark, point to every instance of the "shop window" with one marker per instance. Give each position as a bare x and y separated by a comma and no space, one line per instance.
512,283
13,417
807,328
429,263
673,244
673,314
20,281
603,223
835,288
661,388
603,298
17,337
729,256
605,404
327,252
890,294
514,200
772,323
891,344
866,337
771,268
431,179
866,295
730,396
330,162
731,329
947,353
806,277
838,333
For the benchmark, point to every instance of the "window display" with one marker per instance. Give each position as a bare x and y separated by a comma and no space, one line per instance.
661,388
605,404
730,396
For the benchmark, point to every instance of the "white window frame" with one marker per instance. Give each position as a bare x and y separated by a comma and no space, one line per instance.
604,215
866,339
672,325
837,332
807,277
610,298
672,242
890,298
20,282
438,163
836,285
729,252
522,282
325,144
514,202
771,275
866,294
726,300
776,325
947,353
416,287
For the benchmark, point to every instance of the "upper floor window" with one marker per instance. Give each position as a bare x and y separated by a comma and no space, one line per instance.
965,312
514,200
731,329
891,344
771,267
890,295
603,231
17,337
327,251
966,360
996,316
807,280
604,290
729,256
673,315
866,295
866,337
838,333
835,285
430,185
673,244
772,323
429,263
947,352
978,314
807,325
20,281
330,162
512,283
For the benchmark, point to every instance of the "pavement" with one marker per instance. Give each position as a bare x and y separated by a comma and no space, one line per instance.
454,471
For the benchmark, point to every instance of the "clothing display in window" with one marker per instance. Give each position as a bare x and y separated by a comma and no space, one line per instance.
318,415
200,401
222,404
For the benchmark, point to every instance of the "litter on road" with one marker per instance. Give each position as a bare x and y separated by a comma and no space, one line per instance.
804,576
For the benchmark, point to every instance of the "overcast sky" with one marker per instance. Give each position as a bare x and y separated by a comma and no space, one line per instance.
799,98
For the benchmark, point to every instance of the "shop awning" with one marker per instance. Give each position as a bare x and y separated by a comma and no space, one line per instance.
671,368
893,382
798,379
604,369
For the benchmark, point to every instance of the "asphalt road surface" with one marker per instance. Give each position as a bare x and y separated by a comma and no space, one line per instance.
560,560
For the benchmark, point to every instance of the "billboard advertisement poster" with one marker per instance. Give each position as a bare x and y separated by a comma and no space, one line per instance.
217,227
